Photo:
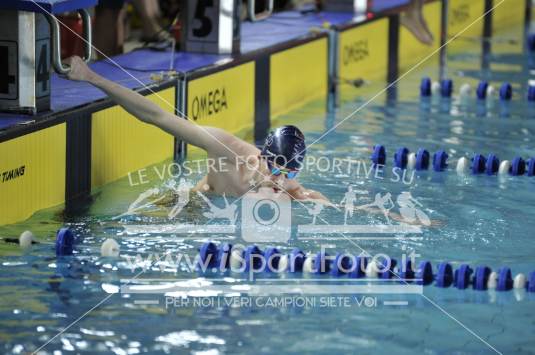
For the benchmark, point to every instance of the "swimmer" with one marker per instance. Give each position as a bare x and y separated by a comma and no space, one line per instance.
275,166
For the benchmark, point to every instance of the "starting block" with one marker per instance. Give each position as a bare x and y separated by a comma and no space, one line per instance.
30,47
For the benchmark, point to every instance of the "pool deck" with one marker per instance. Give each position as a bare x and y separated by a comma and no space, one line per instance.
130,69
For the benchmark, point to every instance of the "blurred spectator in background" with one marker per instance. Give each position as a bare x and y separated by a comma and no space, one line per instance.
109,27
151,19
110,20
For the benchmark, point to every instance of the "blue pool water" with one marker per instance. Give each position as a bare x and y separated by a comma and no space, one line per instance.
479,220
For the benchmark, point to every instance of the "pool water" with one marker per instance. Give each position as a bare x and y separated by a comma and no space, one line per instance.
479,220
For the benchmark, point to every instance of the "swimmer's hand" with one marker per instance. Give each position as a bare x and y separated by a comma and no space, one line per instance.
79,71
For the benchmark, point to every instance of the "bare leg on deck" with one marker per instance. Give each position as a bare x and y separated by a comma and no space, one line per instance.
413,20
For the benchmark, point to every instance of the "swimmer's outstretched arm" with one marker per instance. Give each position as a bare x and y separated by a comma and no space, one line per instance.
215,141
306,195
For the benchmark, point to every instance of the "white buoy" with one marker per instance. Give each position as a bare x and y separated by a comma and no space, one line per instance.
411,161
371,269
236,259
284,262
463,164
308,265
110,248
465,90
504,167
26,239
520,281
492,282
490,92
435,88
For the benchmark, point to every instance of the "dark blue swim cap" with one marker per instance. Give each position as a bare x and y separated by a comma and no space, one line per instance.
285,147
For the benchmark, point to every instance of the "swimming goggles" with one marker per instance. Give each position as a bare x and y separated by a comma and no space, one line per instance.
290,174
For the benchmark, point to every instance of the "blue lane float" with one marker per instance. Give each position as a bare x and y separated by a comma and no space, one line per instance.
422,159
531,167
444,276
492,165
379,155
401,158
359,270
505,279
462,276
425,87
481,90
407,271
531,93
478,164
297,259
208,254
484,90
481,278
253,258
321,264
223,256
338,266
272,258
389,272
518,166
64,242
440,159
506,92
424,273
531,42
343,265
446,88
531,282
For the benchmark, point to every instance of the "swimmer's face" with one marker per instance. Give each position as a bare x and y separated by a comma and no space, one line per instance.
279,176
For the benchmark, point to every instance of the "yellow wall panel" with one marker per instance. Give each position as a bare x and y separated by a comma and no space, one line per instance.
224,99
32,173
508,24
411,51
465,20
509,12
122,144
363,52
462,16
298,75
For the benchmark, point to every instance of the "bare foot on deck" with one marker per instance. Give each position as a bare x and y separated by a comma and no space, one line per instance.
414,21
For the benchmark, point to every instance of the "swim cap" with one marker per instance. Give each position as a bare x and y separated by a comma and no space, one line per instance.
285,147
